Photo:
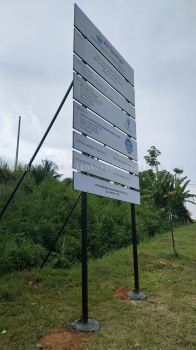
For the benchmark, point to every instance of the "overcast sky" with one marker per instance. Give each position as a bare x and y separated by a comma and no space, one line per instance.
158,39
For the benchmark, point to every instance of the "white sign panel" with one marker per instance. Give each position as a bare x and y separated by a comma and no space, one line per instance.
103,89
98,103
95,149
96,61
92,166
87,73
93,185
90,31
90,124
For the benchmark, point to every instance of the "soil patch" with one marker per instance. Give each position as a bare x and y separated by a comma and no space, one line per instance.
121,293
64,339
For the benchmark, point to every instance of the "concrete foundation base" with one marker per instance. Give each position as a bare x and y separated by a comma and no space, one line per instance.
91,326
137,295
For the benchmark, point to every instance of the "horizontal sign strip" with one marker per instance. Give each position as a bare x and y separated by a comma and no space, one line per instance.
98,103
103,188
95,167
97,62
90,31
87,73
90,124
93,148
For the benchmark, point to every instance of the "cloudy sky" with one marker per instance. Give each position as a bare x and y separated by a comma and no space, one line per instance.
158,39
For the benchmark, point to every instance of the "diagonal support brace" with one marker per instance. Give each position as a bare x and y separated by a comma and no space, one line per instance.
61,230
35,153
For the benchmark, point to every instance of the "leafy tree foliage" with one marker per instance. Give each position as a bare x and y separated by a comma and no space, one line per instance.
5,172
29,228
151,158
169,193
47,169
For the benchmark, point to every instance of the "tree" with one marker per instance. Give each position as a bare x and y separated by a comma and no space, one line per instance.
47,169
5,172
177,171
151,158
169,193
176,200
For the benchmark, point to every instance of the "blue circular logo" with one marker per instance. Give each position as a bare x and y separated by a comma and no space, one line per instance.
128,145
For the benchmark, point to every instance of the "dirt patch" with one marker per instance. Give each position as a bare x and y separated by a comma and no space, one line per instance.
64,339
121,293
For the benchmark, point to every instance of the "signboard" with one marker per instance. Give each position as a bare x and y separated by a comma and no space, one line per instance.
90,124
90,31
105,162
87,73
93,185
93,148
92,166
96,61
93,99
104,139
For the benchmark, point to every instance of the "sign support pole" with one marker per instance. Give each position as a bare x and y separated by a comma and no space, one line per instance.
85,324
84,260
135,253
135,294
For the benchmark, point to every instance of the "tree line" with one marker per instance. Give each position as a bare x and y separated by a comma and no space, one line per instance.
28,229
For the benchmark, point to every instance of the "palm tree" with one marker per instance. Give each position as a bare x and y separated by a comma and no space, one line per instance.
169,193
47,169
51,168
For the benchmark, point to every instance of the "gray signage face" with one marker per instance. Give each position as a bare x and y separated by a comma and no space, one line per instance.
93,185
96,61
92,166
95,149
105,162
87,73
89,30
90,124
93,99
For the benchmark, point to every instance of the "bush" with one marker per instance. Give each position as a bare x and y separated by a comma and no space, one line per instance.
17,254
30,226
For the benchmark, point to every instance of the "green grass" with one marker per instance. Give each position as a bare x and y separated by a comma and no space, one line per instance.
31,303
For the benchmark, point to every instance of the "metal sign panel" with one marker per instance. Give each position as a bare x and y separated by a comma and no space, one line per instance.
95,167
93,185
103,86
98,103
87,73
90,124
95,149
90,31
96,61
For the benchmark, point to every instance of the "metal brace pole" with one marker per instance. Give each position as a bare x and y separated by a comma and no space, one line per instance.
35,153
61,229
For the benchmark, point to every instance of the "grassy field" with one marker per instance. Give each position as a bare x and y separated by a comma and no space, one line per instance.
31,303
